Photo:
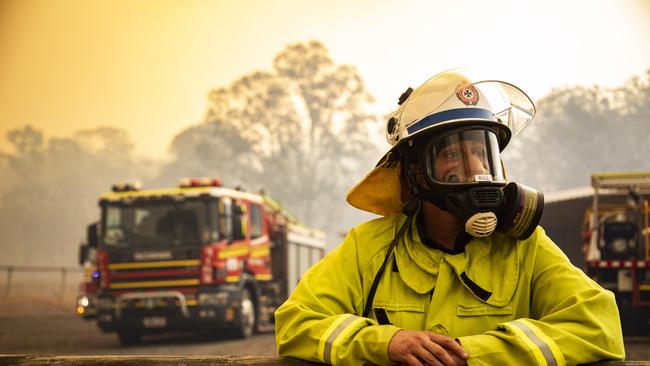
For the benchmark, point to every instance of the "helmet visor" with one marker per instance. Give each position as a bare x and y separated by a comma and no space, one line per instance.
464,156
511,106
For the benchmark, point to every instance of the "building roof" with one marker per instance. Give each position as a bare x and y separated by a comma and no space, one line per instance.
568,194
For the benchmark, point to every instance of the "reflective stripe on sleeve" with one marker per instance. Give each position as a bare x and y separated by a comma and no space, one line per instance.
355,325
327,349
544,349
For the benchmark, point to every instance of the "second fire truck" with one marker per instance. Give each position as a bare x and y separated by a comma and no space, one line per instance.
617,243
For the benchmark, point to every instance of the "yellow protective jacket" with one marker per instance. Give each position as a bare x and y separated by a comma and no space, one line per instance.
508,302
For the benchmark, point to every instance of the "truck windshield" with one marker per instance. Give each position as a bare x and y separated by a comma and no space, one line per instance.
159,223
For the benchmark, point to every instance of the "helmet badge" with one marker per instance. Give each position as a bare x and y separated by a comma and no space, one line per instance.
468,95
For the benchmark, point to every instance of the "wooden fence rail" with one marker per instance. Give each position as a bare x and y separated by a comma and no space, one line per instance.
32,360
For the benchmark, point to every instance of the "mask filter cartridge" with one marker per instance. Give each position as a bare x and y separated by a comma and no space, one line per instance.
522,212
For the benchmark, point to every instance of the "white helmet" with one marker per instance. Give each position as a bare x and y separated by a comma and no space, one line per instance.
447,101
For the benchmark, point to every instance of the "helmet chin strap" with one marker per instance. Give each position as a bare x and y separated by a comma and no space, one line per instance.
415,202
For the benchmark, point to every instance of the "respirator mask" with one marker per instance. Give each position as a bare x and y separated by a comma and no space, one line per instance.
460,171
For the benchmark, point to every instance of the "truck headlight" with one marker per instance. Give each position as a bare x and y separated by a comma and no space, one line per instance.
83,301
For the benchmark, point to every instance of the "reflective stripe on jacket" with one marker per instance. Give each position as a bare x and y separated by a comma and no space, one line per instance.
507,301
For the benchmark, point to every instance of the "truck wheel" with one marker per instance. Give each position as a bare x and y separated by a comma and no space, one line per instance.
247,313
129,338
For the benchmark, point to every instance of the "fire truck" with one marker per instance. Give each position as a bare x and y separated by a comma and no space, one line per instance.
198,257
617,243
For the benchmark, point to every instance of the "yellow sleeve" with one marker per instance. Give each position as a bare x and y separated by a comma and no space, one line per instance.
573,320
319,321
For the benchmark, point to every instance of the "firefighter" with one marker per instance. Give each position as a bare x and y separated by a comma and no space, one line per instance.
456,271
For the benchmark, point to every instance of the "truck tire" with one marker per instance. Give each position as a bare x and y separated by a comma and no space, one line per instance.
248,315
129,338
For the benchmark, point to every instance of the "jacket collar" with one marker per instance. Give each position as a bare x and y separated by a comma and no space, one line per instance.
492,263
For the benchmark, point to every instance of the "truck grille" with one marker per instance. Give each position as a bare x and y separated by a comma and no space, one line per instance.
154,275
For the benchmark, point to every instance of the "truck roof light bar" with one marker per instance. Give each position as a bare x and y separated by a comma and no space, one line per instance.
199,182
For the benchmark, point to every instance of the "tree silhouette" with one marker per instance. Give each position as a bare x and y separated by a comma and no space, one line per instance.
298,132
50,188
582,130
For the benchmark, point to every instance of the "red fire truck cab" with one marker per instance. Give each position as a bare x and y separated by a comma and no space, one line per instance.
198,257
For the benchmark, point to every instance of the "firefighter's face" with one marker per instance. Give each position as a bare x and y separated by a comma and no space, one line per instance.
461,157
461,161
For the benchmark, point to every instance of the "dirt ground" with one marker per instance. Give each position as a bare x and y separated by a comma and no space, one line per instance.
40,326
49,327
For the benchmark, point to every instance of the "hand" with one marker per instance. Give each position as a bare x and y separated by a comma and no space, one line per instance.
418,348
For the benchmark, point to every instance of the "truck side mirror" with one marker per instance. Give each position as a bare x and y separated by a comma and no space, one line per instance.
225,219
238,225
91,235
83,254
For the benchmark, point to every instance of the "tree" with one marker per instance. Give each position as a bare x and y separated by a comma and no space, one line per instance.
300,132
333,98
26,140
582,130
50,190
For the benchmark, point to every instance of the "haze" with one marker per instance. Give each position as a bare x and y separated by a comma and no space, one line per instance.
147,66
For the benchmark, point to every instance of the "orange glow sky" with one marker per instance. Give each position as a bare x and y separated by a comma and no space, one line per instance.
147,65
